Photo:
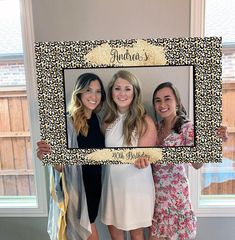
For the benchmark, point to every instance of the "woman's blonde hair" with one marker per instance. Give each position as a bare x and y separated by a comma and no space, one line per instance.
76,108
135,119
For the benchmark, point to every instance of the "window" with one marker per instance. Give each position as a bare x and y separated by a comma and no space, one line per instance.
20,175
213,185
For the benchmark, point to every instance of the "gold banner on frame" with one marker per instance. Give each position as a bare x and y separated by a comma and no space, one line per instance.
140,53
126,155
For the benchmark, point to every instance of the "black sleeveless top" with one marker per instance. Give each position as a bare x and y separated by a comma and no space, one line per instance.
92,173
94,138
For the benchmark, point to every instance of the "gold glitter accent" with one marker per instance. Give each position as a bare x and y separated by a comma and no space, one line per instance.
141,53
125,155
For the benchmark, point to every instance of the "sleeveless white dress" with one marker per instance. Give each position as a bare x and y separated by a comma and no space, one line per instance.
127,200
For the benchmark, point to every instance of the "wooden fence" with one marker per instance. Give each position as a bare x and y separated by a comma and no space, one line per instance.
226,186
16,170
229,119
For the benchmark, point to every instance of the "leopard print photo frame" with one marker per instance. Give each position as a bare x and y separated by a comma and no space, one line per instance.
202,54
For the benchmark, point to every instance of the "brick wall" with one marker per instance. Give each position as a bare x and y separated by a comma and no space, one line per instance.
12,74
228,64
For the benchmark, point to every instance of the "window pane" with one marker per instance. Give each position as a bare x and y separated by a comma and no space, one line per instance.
218,179
220,19
228,64
16,169
11,51
10,34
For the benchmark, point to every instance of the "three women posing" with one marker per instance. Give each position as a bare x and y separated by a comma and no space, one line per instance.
128,196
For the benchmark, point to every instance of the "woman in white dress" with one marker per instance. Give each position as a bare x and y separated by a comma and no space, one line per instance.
128,192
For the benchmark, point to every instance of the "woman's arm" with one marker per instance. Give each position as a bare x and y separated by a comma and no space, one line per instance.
147,139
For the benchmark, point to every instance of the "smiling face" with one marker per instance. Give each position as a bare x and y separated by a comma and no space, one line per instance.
165,103
122,94
92,97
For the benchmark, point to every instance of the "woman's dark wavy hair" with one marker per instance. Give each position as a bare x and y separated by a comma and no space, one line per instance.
181,113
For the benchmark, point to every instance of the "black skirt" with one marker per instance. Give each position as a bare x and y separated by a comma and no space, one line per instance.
92,183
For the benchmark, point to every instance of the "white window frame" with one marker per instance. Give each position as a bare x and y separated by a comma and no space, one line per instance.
221,207
25,207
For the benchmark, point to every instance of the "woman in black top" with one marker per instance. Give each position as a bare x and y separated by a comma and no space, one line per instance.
83,132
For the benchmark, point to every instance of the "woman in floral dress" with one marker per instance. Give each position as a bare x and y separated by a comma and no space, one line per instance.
173,217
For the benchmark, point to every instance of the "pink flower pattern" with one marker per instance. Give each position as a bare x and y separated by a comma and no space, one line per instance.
173,215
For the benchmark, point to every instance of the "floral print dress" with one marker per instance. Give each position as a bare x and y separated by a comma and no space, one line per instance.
173,217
